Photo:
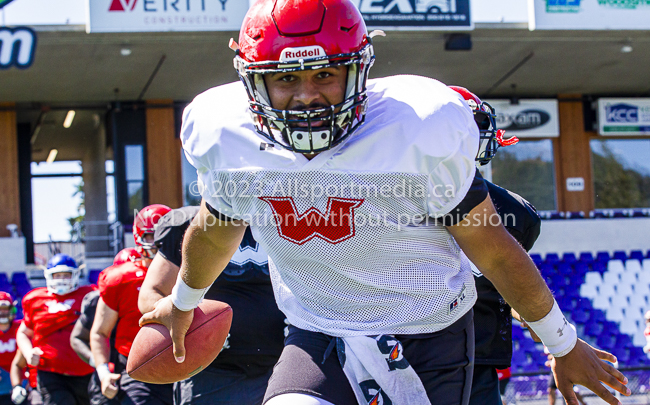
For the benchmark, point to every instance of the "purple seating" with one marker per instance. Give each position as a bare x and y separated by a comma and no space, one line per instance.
569,258
603,256
620,255
580,316
637,254
552,259
600,267
19,277
93,276
564,269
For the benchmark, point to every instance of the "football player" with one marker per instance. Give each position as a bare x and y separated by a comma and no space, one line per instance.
240,373
8,328
492,315
118,308
44,335
80,336
366,197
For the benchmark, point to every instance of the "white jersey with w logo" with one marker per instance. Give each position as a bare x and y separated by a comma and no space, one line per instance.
352,244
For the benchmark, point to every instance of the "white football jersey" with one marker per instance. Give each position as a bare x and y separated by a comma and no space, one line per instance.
352,246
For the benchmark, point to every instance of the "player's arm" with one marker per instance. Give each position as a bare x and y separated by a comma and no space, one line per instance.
158,283
208,246
103,324
80,342
493,250
24,337
18,364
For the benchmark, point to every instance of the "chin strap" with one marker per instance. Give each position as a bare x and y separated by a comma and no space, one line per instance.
505,142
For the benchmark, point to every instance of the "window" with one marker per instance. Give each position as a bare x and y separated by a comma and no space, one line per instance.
621,172
134,158
57,197
527,169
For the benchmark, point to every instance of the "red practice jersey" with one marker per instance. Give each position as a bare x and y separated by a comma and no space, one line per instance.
8,345
119,287
52,318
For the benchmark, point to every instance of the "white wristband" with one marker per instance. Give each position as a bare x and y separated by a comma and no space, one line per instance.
556,332
185,297
103,371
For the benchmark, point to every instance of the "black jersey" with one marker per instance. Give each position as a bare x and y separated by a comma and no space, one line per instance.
492,316
87,317
257,332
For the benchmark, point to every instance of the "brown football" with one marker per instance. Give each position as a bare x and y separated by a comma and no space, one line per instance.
151,358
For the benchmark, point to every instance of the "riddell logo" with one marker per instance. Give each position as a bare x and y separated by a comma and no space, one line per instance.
122,5
304,52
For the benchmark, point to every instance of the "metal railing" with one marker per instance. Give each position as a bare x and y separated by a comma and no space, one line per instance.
532,389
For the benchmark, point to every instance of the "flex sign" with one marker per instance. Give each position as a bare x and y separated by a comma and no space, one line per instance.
528,118
624,116
589,14
416,14
165,15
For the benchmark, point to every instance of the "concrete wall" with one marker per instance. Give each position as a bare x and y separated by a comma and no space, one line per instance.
593,235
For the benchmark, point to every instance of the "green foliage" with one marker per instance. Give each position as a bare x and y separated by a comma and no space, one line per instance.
532,179
617,186
78,232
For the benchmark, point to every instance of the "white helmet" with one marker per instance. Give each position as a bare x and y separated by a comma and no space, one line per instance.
61,263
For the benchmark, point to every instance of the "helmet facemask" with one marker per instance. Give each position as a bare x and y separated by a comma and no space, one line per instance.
62,286
283,126
485,118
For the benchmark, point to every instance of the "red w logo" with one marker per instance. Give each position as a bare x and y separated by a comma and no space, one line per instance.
122,5
335,226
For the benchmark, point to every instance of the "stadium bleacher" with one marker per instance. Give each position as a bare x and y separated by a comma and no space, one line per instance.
605,297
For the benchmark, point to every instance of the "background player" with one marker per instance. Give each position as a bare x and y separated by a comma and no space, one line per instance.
8,328
117,307
80,336
44,335
333,281
241,371
492,314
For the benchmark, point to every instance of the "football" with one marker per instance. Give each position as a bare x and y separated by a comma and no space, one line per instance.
151,358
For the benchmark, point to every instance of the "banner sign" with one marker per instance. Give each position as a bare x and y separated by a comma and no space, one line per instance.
589,14
624,116
17,47
528,118
416,14
165,15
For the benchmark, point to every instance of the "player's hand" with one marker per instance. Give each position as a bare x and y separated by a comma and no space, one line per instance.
18,395
34,357
584,366
178,322
109,386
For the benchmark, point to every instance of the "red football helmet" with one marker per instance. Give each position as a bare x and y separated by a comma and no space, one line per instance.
485,117
7,308
127,255
144,223
292,35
